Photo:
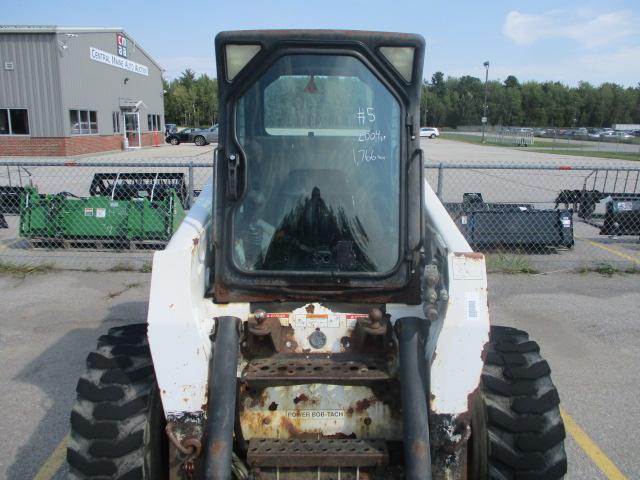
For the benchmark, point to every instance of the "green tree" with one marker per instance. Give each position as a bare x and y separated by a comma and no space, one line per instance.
191,100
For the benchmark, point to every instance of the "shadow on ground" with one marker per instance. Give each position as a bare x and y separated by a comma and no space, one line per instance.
55,372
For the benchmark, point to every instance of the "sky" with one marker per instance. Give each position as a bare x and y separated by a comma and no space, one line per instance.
544,40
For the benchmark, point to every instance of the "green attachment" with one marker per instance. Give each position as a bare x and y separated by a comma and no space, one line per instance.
65,217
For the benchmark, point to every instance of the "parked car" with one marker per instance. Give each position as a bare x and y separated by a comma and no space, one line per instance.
430,132
594,132
186,135
205,136
622,135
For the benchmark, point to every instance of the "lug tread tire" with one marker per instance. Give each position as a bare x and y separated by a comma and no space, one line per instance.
116,423
521,409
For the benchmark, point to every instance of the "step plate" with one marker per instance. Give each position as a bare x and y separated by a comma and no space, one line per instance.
304,369
317,453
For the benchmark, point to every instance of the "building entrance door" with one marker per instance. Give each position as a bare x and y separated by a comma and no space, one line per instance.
132,129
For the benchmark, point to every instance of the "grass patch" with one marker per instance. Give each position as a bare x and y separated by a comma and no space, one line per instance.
608,270
593,153
508,263
477,140
127,267
461,137
22,270
122,267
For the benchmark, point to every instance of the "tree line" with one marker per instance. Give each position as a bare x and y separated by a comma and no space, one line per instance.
191,101
453,102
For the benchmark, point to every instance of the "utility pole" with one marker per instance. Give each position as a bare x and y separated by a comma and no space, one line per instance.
484,110
426,103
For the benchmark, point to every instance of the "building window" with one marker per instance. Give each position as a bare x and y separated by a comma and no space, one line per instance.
83,122
153,122
14,121
116,122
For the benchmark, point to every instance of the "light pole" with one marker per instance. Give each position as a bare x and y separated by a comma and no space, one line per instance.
426,101
484,110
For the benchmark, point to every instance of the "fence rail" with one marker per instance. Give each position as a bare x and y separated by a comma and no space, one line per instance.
113,215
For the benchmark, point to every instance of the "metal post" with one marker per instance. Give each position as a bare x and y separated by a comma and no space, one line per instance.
190,192
440,181
484,111
426,104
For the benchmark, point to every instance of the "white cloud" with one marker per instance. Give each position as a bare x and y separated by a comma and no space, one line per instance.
588,30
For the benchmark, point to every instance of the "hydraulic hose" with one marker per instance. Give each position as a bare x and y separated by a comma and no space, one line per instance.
222,399
413,388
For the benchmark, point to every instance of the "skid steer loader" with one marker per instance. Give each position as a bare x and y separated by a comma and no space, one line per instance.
317,315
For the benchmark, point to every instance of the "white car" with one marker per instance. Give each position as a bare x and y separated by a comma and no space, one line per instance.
430,132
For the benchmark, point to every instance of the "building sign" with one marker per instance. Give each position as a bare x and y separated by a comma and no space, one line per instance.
121,44
115,61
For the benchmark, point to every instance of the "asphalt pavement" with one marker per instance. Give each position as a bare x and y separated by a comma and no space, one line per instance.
586,324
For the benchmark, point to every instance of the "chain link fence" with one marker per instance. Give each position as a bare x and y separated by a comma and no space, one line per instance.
539,218
114,215
93,215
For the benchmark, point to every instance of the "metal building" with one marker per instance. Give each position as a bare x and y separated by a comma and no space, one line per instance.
71,91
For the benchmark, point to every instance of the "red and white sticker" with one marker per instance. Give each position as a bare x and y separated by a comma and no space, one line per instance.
317,320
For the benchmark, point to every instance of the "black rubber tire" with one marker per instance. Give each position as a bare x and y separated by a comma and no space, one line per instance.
517,430
200,141
117,423
432,137
174,141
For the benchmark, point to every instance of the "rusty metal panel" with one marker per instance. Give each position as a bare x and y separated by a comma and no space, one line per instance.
320,411
314,452
354,369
